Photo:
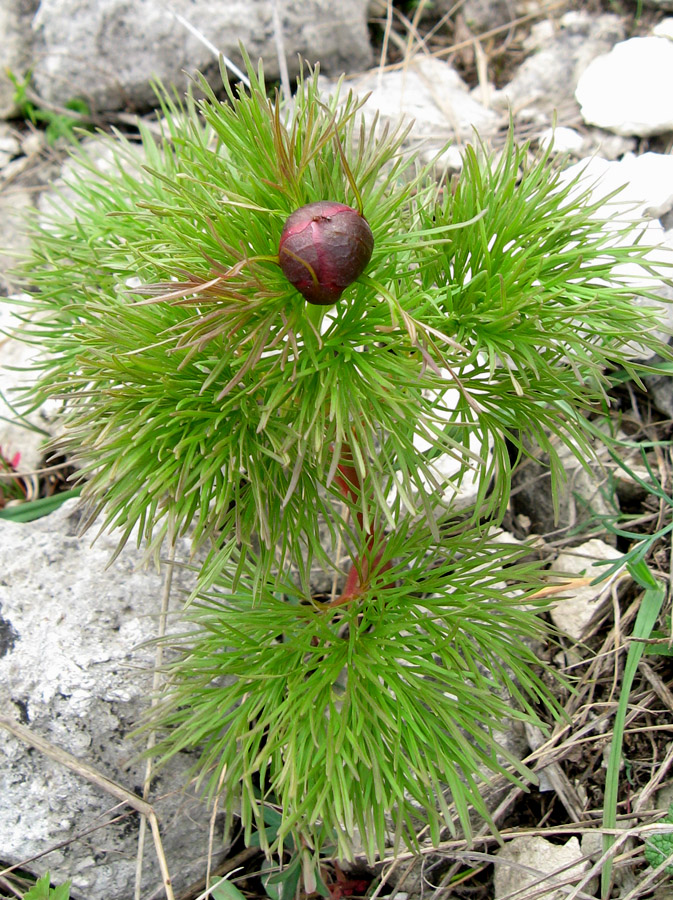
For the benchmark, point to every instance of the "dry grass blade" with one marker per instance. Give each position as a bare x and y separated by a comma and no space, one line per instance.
156,683
557,777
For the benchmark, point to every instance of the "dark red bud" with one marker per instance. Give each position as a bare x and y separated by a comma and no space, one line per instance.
324,247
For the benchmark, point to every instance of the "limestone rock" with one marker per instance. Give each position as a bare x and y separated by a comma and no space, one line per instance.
563,140
15,47
627,89
429,93
16,358
664,28
544,84
645,188
573,612
71,669
540,858
108,52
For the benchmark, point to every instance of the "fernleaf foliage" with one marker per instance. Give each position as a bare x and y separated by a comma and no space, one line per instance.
202,396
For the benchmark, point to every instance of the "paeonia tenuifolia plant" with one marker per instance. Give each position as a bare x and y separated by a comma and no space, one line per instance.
273,331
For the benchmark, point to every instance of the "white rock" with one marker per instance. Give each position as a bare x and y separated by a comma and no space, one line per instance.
108,52
9,145
544,83
541,858
72,671
428,92
573,612
458,484
16,359
663,29
645,184
628,89
563,140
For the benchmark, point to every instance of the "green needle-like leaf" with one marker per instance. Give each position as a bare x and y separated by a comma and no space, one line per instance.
650,607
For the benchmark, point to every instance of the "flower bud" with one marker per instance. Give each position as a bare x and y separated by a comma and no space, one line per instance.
323,248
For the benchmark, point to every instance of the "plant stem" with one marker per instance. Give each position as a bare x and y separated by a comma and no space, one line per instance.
359,573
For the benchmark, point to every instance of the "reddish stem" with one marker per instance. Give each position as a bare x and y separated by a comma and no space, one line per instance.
358,577
348,480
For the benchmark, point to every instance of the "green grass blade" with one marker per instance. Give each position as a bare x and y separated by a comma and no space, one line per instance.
36,509
648,613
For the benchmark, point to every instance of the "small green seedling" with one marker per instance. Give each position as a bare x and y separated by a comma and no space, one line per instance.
56,124
659,847
42,890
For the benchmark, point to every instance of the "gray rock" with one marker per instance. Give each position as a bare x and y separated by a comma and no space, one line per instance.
532,858
71,669
15,46
545,82
573,612
482,15
479,15
107,52
660,389
429,93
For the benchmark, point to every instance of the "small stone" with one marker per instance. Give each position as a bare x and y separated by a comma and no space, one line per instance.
428,92
576,608
9,147
592,844
644,183
544,858
611,146
627,90
33,142
563,140
663,29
